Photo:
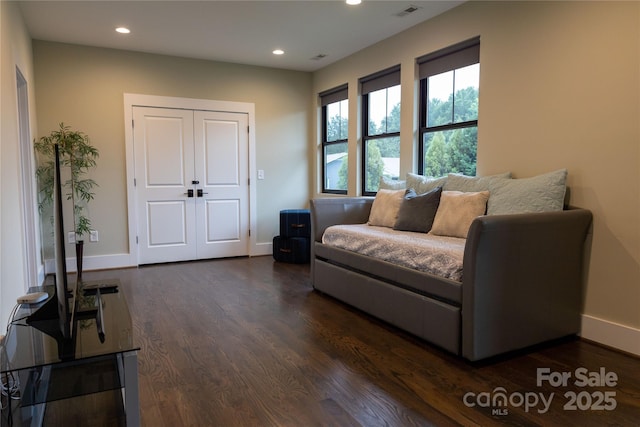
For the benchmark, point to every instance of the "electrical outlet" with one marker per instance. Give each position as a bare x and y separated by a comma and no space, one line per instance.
93,235
71,237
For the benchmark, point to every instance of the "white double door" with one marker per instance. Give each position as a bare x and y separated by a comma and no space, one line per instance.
192,184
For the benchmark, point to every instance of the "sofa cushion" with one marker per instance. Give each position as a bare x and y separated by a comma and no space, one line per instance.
542,193
384,210
438,255
456,212
424,184
458,182
417,211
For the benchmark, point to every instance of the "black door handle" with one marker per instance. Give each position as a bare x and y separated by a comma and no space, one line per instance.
189,192
200,193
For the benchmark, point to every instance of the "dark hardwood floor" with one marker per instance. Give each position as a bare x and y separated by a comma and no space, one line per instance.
247,342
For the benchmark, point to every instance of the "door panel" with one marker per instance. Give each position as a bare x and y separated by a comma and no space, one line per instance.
163,145
222,220
221,142
165,163
167,223
222,166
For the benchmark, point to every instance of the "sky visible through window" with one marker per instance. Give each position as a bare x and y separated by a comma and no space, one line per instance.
378,108
441,85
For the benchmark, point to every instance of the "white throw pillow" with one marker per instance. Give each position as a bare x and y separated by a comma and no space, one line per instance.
424,184
386,205
391,184
458,182
456,212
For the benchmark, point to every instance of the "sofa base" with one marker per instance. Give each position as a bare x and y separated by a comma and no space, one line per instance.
427,318
523,280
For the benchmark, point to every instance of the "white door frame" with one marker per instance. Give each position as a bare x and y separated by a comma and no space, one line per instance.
33,275
139,100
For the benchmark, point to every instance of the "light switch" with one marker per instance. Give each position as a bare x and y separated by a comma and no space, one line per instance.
260,174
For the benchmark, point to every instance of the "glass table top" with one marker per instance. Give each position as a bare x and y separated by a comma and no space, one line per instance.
26,346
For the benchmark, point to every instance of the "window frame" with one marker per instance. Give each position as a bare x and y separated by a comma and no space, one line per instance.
331,96
448,59
384,79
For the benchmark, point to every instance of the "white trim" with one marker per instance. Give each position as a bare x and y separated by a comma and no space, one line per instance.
139,100
106,262
94,262
611,334
28,188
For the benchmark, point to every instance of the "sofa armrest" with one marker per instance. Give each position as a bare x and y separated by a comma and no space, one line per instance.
326,212
522,280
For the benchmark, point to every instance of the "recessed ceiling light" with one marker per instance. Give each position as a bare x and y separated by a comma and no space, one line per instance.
354,2
123,30
278,52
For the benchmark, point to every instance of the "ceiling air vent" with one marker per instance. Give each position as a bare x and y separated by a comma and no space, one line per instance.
412,8
319,57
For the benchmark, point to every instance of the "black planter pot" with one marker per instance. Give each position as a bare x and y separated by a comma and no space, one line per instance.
79,250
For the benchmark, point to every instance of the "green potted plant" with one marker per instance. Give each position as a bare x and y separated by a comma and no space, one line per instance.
76,153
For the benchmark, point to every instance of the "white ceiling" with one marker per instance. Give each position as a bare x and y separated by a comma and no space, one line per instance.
244,32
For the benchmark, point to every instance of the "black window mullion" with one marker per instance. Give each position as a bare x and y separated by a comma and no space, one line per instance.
324,124
381,136
453,99
450,126
365,138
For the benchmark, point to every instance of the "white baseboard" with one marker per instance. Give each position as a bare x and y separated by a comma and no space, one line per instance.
104,262
262,249
611,334
96,262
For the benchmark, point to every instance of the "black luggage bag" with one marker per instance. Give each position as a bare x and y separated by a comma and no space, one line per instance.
291,249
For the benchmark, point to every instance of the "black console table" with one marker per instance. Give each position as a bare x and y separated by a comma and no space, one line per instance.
43,372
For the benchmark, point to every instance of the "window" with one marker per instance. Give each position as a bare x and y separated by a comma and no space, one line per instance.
335,124
449,83
380,128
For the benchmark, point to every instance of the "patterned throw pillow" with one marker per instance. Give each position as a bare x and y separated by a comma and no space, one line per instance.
542,193
457,211
384,210
458,182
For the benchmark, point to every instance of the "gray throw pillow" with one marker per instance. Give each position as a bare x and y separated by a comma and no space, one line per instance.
417,211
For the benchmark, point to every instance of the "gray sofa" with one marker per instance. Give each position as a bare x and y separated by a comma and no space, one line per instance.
522,280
